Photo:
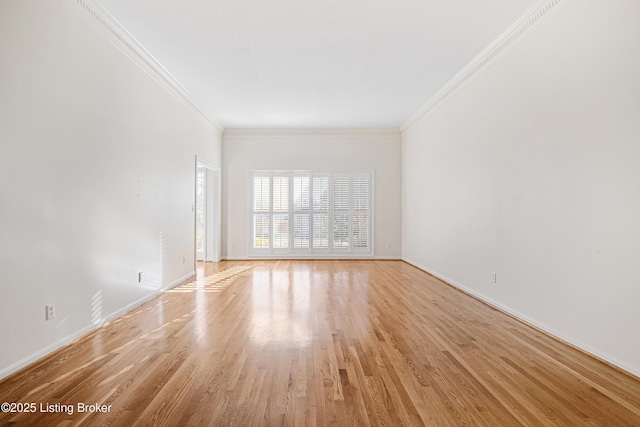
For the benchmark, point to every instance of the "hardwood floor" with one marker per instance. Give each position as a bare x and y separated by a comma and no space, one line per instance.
319,343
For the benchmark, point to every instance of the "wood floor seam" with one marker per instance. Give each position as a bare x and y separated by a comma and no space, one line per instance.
321,343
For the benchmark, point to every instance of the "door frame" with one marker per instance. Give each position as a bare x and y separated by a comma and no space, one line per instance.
213,201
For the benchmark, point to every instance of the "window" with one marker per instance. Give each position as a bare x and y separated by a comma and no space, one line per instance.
302,213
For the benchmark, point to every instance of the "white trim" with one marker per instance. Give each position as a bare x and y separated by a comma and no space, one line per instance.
310,133
293,256
178,281
526,319
117,34
215,204
479,62
206,164
200,187
32,358
146,298
70,338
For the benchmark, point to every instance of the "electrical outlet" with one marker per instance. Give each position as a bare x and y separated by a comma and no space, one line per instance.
184,259
140,277
388,245
50,311
494,277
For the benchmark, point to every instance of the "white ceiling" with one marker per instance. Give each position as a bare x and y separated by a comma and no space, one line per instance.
314,63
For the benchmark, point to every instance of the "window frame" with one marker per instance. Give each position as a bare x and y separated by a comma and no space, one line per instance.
330,251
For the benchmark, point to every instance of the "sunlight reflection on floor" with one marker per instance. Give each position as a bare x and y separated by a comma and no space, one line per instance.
275,317
217,282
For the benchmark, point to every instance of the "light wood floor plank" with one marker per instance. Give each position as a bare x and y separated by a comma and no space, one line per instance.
322,343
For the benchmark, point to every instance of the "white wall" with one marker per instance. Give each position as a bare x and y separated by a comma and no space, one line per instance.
532,170
96,179
359,150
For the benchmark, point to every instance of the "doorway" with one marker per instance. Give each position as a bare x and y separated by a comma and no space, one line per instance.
207,212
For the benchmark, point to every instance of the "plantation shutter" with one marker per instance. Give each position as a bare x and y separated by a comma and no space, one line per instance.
320,212
261,208
301,202
360,225
280,212
305,213
341,212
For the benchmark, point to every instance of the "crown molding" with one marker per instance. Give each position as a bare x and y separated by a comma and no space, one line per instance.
534,14
117,34
238,133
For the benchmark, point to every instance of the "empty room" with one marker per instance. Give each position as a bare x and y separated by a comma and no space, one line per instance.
314,213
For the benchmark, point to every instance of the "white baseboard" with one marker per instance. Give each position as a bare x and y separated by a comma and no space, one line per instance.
316,257
45,351
179,281
531,322
139,302
11,369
